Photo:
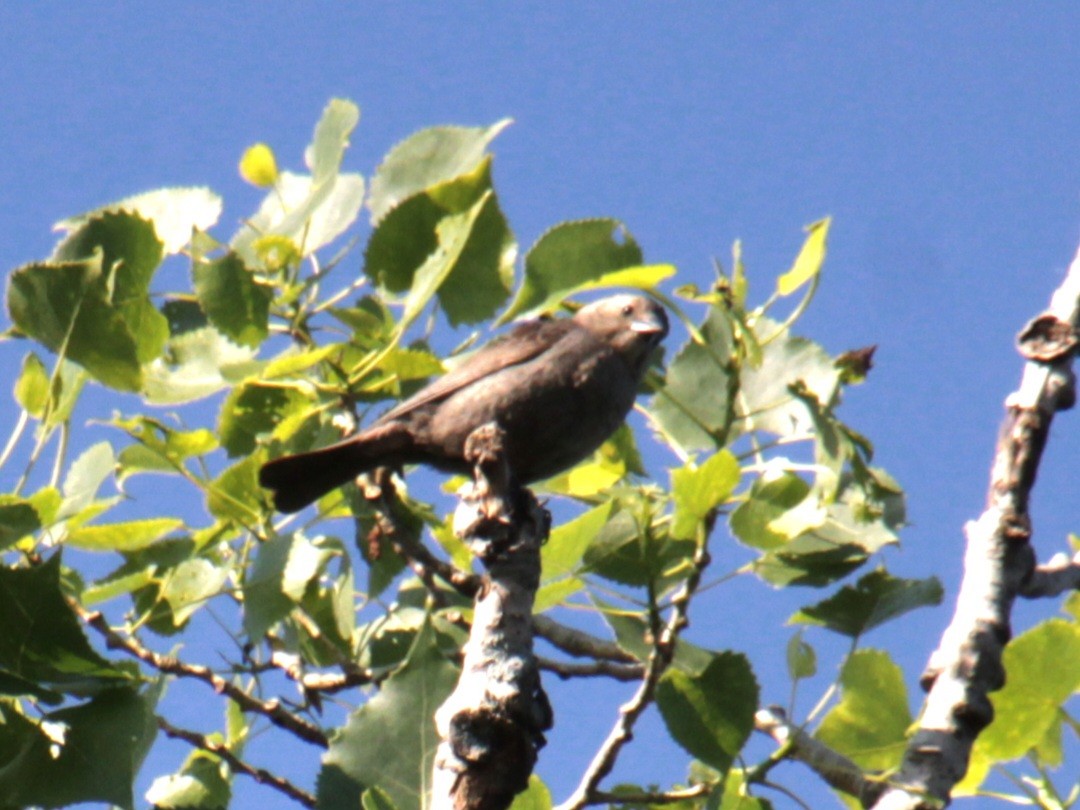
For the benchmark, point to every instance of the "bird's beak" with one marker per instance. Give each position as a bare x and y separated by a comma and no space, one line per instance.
650,325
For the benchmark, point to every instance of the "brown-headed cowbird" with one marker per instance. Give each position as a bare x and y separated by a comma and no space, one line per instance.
556,388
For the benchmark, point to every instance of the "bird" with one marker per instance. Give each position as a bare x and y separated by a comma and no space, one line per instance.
556,387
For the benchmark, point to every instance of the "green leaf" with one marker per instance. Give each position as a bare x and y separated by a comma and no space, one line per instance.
452,239
32,390
535,797
766,400
621,553
1042,669
190,585
870,722
130,253
235,494
175,213
425,159
254,408
770,499
20,517
693,408
737,795
323,156
400,718
808,262
567,257
43,640
85,477
201,784
87,753
160,448
875,599
453,233
198,360
484,271
801,658
698,490
710,714
61,307
236,303
284,567
562,553
375,799
129,536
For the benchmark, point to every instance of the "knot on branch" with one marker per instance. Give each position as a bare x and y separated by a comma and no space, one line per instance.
1047,338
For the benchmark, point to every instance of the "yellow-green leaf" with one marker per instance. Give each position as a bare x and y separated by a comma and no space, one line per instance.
130,536
259,166
808,263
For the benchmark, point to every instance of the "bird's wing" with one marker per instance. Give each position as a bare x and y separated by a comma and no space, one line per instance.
519,345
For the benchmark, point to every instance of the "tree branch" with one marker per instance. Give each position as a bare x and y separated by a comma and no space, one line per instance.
493,723
838,771
237,765
999,560
579,643
1054,578
271,709
591,669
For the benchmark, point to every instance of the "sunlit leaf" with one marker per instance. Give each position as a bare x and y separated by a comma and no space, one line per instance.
710,714
32,386
808,262
427,158
129,536
175,213
1042,667
697,490
870,722
568,256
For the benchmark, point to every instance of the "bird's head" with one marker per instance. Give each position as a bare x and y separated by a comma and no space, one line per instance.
633,324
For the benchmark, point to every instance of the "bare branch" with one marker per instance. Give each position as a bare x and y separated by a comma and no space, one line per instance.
669,797
579,643
838,771
629,712
271,709
1054,578
592,669
237,765
999,560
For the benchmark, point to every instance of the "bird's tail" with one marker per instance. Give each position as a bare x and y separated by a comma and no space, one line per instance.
301,479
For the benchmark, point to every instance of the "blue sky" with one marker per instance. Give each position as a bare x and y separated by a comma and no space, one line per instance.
940,137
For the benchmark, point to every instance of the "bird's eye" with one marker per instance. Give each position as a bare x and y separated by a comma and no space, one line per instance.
628,310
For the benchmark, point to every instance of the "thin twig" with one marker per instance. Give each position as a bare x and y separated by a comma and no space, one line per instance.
1054,578
271,709
668,797
237,765
579,643
592,669
629,712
